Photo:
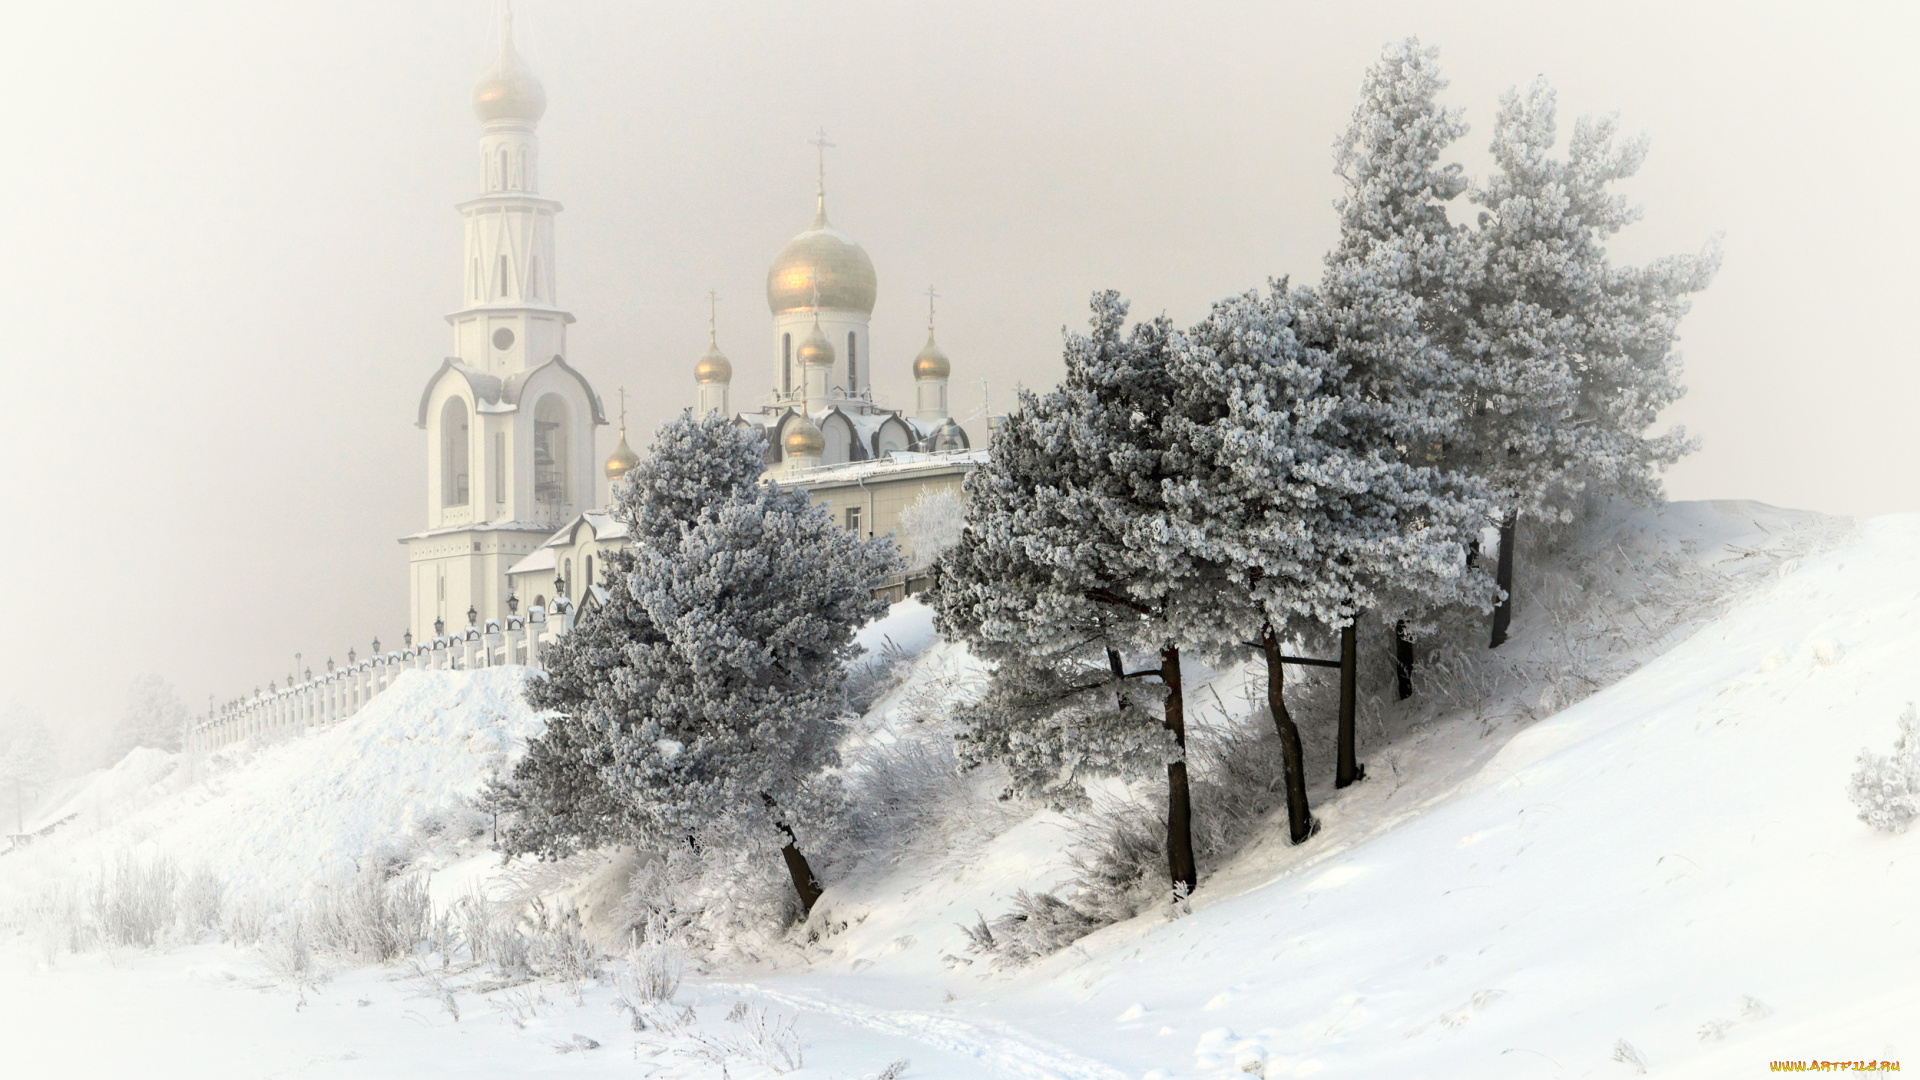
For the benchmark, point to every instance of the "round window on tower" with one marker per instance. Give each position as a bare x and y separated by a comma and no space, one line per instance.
503,338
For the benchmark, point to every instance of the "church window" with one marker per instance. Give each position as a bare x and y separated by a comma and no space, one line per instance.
533,279
786,364
589,571
853,378
504,183
503,275
476,279
453,453
499,466
566,576
550,453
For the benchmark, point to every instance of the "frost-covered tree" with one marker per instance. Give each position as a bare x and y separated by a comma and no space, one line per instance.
932,524
706,696
27,760
557,801
1390,307
155,717
1295,526
757,599
1573,356
1065,564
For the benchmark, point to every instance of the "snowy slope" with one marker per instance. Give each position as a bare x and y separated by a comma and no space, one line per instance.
1632,869
392,782
1668,870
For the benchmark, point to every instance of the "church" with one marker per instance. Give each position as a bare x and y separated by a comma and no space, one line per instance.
513,509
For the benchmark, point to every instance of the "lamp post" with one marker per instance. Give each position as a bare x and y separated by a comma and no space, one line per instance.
473,617
439,627
513,603
406,639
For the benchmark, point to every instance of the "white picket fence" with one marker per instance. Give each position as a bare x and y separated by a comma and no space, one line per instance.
340,692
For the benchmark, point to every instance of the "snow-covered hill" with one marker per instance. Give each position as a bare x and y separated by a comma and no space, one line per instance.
1665,875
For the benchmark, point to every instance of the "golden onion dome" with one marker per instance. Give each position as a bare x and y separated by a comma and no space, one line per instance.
931,363
622,460
804,439
825,256
816,349
713,366
508,91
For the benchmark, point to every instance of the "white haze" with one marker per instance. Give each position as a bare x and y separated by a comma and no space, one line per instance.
231,242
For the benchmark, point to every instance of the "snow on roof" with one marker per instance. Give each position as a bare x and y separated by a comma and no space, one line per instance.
543,558
898,463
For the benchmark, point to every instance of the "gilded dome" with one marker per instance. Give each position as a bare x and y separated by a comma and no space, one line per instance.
816,349
931,363
713,366
804,439
622,460
508,91
825,255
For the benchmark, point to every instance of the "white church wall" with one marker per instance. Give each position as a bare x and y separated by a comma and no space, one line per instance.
836,325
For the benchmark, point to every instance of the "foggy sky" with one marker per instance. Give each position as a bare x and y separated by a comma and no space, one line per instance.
231,243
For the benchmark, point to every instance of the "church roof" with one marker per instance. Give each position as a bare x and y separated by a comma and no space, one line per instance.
491,394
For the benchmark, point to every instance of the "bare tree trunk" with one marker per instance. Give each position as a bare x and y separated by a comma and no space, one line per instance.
1346,770
1503,576
1180,862
804,883
1402,661
1300,822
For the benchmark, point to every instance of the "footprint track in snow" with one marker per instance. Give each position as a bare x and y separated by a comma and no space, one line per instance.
1002,1053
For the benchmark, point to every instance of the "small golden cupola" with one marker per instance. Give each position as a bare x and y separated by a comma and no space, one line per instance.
509,91
816,351
623,459
803,439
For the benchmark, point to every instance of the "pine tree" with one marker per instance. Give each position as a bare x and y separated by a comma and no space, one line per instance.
707,693
738,709
27,760
1065,563
1294,527
557,801
155,717
1574,355
1390,310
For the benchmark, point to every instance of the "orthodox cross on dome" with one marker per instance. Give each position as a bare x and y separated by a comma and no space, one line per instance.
819,142
713,316
623,412
932,294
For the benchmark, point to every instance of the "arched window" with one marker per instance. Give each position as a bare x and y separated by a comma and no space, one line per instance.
786,364
503,275
453,453
476,279
589,570
550,454
504,183
566,575
533,279
853,378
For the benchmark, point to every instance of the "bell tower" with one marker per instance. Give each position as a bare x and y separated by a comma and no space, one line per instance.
510,424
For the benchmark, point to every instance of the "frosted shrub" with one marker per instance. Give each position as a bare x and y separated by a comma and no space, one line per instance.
651,972
1887,788
136,902
1039,924
201,896
371,918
